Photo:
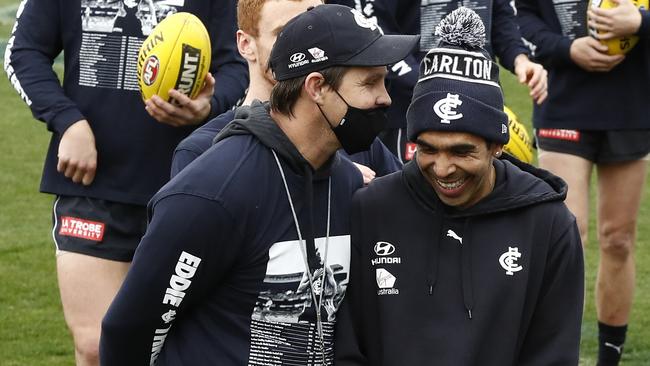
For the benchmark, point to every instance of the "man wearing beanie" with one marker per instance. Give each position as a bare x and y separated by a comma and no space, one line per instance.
481,262
246,257
503,41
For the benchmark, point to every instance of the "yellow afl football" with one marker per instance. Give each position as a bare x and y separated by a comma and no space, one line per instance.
617,46
520,145
176,55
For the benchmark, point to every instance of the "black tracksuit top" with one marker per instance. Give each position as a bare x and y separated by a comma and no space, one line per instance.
498,284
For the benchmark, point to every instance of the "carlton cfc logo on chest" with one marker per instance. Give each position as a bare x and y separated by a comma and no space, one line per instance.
509,261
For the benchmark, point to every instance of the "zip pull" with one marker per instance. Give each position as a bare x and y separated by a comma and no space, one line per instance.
469,313
430,290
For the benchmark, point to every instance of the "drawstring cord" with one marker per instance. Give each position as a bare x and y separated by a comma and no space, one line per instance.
318,300
434,259
465,264
466,270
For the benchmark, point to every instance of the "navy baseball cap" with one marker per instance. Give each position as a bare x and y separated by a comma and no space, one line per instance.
334,35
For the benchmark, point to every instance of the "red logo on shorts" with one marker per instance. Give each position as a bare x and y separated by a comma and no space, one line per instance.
559,134
79,228
410,150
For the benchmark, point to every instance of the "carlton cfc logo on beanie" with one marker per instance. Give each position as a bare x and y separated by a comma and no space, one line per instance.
446,108
459,83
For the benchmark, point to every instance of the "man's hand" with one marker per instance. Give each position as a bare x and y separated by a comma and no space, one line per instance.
622,20
590,54
78,154
368,174
534,76
187,111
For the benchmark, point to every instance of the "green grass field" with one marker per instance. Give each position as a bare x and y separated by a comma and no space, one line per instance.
32,328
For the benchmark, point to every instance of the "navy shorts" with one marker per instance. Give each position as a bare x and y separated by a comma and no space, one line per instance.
98,228
600,147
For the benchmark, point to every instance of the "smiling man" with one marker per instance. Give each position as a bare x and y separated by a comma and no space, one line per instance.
480,261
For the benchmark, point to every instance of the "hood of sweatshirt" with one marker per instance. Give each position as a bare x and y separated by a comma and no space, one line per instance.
256,120
517,185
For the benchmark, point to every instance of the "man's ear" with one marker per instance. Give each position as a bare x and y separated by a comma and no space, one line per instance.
315,86
496,149
246,46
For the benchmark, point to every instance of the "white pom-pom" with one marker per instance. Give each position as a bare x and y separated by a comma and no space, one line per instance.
462,27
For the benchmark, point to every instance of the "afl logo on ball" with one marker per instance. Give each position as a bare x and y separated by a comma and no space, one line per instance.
150,70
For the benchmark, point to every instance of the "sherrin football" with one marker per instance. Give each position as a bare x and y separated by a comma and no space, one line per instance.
617,46
176,55
520,145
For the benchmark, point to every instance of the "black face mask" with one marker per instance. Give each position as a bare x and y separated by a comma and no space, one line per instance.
359,127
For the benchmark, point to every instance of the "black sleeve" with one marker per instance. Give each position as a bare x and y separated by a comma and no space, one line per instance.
644,28
348,349
183,156
187,249
553,337
31,50
378,158
227,66
506,36
382,160
548,46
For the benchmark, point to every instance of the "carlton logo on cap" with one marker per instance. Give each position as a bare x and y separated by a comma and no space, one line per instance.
364,22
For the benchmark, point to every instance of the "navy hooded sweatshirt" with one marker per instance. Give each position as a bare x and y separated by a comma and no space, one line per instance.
219,277
497,284
100,42
421,17
579,99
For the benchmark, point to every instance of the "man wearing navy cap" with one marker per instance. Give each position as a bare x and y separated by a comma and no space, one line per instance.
246,257
482,265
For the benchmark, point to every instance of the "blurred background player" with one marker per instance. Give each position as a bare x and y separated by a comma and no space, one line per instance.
577,128
107,156
421,17
259,22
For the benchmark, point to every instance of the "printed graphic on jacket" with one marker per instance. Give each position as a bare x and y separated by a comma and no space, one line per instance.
572,15
113,32
283,328
432,12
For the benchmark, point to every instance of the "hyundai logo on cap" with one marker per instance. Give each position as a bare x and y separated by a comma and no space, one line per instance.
297,57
